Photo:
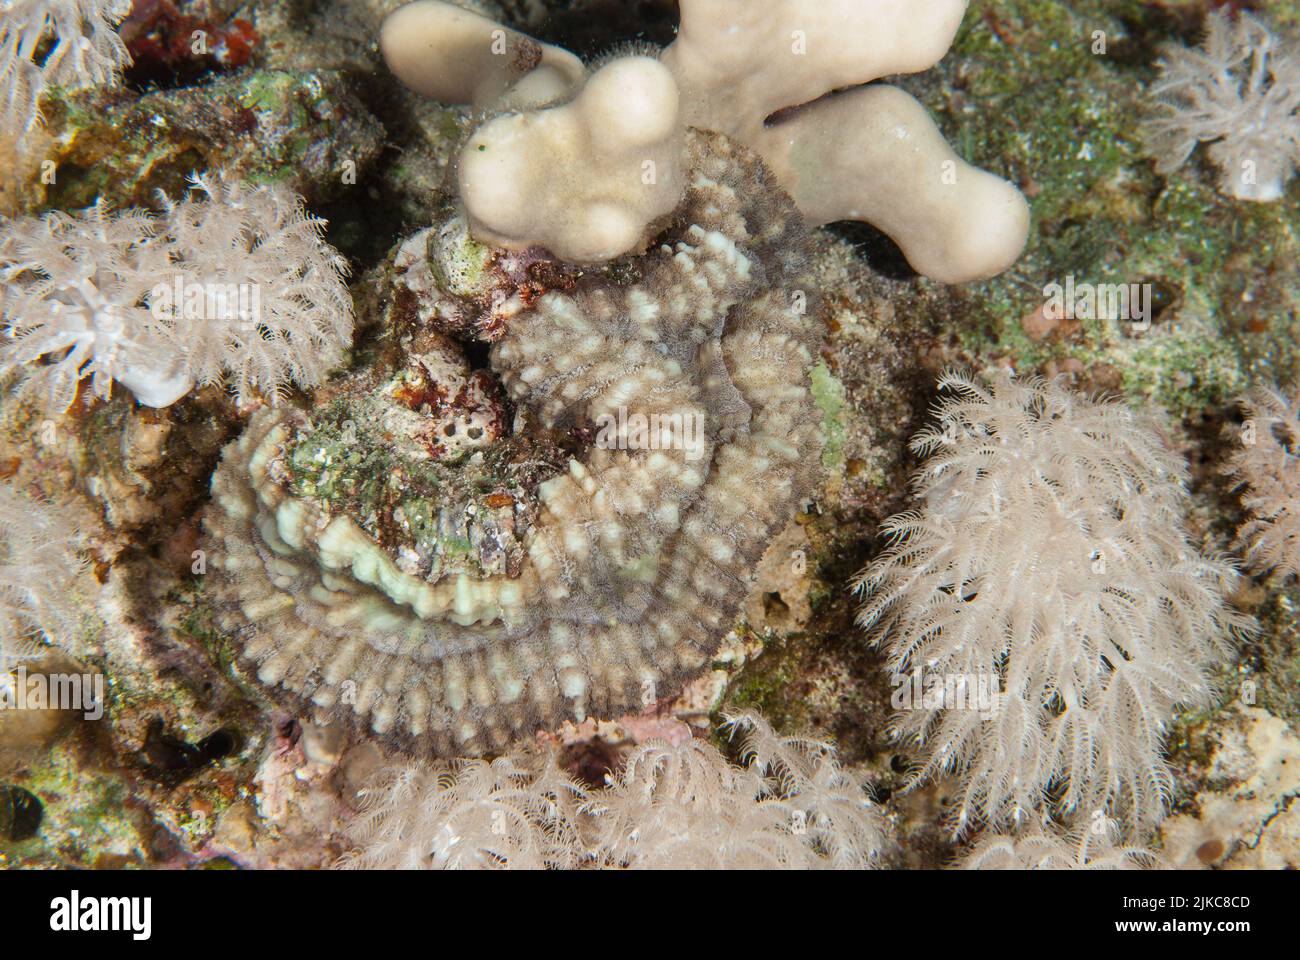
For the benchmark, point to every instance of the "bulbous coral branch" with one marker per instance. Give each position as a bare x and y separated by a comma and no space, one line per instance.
740,62
583,179
874,154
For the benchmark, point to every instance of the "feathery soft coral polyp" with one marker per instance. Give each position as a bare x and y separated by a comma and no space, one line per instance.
1048,556
232,284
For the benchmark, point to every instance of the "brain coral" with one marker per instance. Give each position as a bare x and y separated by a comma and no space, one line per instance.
603,575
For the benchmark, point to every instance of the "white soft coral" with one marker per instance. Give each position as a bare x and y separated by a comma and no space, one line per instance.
229,236
1240,92
83,50
233,284
1267,466
516,812
40,554
1093,847
1048,557
788,805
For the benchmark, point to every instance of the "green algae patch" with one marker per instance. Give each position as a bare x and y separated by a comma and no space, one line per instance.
829,395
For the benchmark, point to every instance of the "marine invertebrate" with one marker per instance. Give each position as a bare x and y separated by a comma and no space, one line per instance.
634,547
621,129
275,307
871,153
237,288
517,812
788,805
40,552
1239,92
1267,465
1054,849
74,296
1048,557
56,43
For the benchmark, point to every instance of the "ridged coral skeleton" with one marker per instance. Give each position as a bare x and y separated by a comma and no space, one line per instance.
638,557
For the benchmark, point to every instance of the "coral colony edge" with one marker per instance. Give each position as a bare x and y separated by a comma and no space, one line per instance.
566,434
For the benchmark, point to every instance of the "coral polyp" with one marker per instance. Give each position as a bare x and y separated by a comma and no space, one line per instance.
679,381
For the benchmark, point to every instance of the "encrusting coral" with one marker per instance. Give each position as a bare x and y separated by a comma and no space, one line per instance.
1048,561
1239,92
71,44
607,156
1267,465
238,288
695,358
787,805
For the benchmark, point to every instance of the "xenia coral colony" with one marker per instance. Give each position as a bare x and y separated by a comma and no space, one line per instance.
670,807
593,177
1049,558
405,560
40,547
599,586
236,286
1240,92
1267,466
1034,849
55,43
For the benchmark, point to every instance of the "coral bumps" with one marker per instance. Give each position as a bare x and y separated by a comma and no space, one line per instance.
637,550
